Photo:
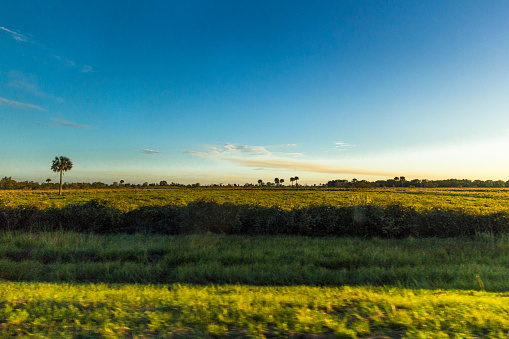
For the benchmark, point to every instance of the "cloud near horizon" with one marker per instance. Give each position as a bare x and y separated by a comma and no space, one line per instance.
305,167
234,149
149,151
19,104
342,146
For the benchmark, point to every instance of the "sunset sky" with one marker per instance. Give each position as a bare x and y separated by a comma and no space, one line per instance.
236,91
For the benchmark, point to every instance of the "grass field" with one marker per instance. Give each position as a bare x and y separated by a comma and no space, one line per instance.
68,284
258,260
477,201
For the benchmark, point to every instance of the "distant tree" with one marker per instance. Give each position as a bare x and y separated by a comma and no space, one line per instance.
281,181
121,182
61,164
415,182
276,181
260,182
163,183
296,181
48,180
292,179
402,181
7,183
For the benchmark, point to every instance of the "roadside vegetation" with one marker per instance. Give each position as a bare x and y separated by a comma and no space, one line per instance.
257,260
135,311
384,263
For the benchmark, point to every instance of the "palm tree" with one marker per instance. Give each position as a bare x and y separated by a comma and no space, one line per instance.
276,181
296,181
292,179
48,180
281,181
260,181
61,164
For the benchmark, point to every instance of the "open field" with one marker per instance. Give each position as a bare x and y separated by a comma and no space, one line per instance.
477,201
383,213
83,284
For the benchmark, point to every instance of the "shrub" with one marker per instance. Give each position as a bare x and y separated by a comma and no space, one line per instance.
393,221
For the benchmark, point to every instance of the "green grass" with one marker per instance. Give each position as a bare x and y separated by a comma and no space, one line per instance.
259,260
474,201
109,311
65,284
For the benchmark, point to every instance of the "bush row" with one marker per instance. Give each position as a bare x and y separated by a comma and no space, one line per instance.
393,221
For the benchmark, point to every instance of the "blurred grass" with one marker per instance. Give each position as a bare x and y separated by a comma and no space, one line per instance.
118,311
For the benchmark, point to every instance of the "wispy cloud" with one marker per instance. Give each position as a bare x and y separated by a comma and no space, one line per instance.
87,69
149,151
342,146
304,167
15,35
67,62
201,154
4,101
24,83
49,51
234,149
28,84
65,123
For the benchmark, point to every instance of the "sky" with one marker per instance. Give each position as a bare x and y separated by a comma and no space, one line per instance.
236,91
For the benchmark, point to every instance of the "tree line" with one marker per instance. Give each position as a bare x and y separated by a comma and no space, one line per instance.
402,182
7,183
63,164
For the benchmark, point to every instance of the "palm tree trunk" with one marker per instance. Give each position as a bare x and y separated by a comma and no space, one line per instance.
60,187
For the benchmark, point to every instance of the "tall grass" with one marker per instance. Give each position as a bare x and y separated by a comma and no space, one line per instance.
257,260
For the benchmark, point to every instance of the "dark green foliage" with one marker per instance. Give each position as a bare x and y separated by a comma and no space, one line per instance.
393,221
153,219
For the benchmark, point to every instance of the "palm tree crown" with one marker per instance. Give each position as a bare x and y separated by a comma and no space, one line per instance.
61,164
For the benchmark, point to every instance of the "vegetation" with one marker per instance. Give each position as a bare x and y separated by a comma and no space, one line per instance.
148,263
7,183
231,300
98,310
256,260
375,213
469,201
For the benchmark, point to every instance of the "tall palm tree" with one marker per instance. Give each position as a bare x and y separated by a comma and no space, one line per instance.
296,181
61,164
276,181
292,179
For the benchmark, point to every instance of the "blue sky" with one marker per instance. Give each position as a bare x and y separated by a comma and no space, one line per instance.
236,91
